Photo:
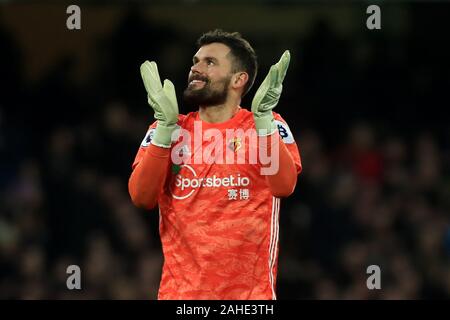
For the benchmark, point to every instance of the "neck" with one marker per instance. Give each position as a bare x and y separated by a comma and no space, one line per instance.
219,113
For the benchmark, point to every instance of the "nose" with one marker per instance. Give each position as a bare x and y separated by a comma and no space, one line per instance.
195,68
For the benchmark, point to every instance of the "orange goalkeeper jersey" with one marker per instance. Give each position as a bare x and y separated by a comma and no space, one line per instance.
218,220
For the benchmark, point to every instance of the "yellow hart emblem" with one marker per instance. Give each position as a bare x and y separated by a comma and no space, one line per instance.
235,144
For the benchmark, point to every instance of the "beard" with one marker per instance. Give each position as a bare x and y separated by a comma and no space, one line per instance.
208,95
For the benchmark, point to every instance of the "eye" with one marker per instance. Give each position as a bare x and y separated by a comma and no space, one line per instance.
210,63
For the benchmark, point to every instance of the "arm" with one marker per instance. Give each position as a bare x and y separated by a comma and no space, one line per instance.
283,181
148,176
151,163
282,177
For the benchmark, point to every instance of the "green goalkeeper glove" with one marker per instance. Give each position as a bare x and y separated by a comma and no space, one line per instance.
268,94
163,100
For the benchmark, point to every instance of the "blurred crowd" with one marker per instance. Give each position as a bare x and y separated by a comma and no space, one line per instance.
374,200
375,186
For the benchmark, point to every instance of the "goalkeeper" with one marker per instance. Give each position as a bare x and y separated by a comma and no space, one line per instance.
218,219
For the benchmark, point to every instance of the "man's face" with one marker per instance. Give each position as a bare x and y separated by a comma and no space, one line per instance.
210,75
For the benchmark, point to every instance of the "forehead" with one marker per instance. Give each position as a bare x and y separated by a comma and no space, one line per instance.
214,50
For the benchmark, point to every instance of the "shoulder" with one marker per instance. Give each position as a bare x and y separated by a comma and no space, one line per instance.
245,118
278,117
183,118
246,114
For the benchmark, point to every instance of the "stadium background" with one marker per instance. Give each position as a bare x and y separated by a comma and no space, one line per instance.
368,109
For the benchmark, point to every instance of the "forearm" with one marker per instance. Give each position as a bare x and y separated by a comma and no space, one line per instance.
148,177
283,180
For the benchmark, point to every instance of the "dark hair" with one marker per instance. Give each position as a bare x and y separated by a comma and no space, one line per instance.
244,57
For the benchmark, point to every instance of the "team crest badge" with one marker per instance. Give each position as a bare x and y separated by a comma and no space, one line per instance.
235,144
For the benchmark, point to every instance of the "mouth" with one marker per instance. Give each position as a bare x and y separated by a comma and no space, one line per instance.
197,83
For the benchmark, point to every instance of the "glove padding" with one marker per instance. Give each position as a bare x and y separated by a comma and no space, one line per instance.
163,100
267,96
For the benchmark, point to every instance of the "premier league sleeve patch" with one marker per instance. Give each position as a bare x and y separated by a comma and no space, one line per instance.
284,132
148,137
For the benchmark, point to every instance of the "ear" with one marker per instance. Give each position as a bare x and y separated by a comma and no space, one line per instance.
239,80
